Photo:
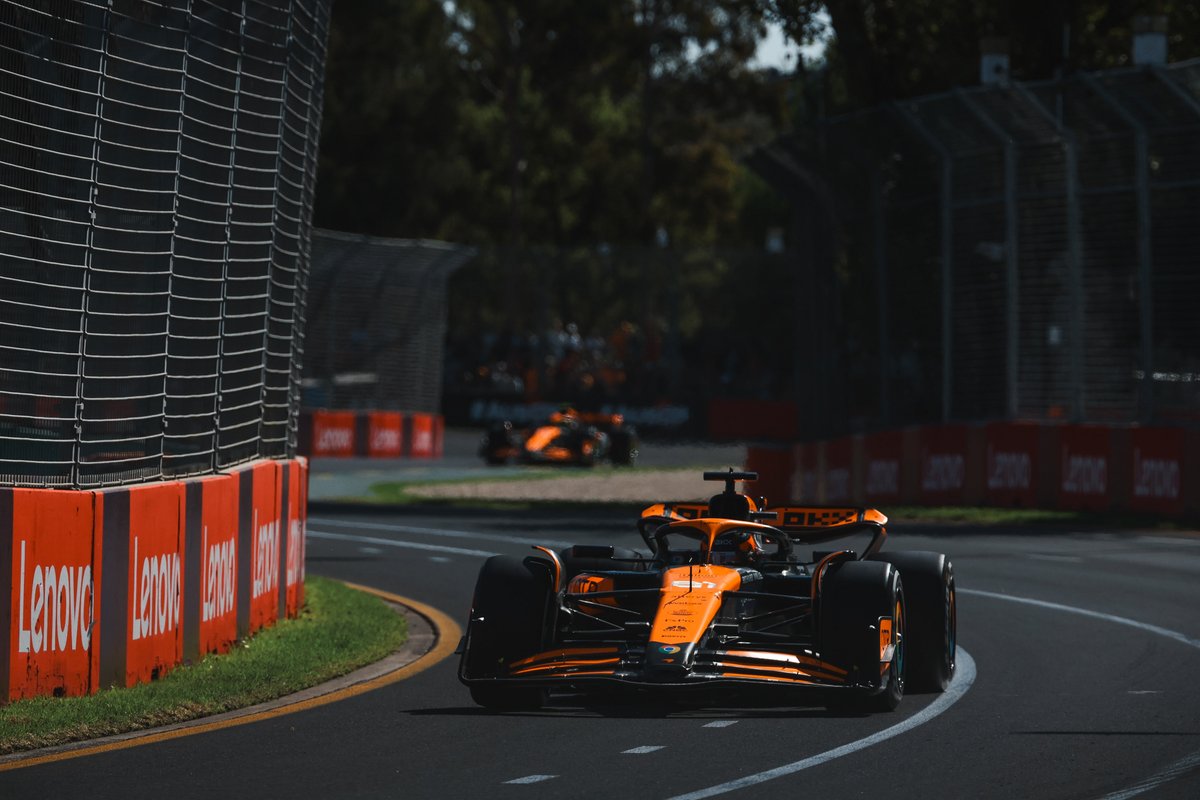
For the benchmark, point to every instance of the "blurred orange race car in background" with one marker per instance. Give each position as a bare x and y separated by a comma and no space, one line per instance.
567,437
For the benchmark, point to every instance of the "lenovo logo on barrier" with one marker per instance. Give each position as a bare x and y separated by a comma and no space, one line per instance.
295,567
883,477
1009,470
1155,477
837,484
1084,474
220,577
266,556
156,594
332,439
384,439
943,473
58,598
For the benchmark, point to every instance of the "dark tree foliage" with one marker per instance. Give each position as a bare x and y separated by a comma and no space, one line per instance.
903,48
542,122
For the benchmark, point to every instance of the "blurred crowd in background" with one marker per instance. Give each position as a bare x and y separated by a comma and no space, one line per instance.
633,363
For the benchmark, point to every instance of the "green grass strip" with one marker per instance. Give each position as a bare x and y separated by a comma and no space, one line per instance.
339,630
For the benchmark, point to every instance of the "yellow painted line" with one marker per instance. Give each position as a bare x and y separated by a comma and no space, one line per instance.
447,635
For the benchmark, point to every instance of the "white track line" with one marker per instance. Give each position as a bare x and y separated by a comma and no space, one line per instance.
964,676
721,723
1176,770
1085,612
450,534
1170,773
532,779
342,537
646,748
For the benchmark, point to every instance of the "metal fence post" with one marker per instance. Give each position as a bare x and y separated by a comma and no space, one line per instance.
1145,255
946,203
237,93
879,232
1012,309
1074,253
93,191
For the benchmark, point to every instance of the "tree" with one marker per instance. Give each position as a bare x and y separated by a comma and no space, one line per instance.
543,122
885,49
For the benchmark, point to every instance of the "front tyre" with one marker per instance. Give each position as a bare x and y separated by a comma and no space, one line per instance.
854,597
510,614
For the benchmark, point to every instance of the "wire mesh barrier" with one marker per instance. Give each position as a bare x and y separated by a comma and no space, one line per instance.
623,328
377,321
1016,251
156,184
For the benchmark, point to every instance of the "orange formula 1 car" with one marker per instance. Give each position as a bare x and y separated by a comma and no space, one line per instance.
568,437
724,606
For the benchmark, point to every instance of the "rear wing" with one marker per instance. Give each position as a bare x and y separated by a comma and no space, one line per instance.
802,524
815,524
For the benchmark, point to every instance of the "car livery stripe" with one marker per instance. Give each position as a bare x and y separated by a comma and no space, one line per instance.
788,657
551,655
758,671
564,666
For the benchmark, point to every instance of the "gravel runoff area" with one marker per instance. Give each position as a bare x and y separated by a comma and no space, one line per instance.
599,486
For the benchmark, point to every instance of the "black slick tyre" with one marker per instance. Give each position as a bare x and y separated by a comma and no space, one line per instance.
854,596
932,617
509,618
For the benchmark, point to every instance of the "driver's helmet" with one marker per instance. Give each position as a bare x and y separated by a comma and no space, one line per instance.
566,415
739,548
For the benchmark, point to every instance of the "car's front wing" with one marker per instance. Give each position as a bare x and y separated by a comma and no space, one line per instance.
581,666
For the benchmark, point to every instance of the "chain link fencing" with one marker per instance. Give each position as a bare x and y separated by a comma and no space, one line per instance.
377,321
1001,252
620,327
156,185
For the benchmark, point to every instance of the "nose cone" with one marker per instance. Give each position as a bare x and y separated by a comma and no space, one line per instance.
666,661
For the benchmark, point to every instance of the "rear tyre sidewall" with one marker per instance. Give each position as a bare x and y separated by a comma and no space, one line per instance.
932,617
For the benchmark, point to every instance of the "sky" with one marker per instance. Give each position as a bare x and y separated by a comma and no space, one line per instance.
776,51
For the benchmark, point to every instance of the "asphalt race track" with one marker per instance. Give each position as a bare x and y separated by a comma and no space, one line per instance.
1078,680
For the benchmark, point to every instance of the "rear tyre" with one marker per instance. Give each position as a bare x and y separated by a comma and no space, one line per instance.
932,617
623,448
509,618
854,596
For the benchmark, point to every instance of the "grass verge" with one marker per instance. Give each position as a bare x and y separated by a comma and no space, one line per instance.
339,630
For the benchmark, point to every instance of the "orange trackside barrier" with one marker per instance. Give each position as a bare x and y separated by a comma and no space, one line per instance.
1157,471
1012,452
838,469
803,480
421,442
943,464
258,502
882,456
52,548
296,510
333,433
218,569
773,463
153,629
1085,464
385,434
